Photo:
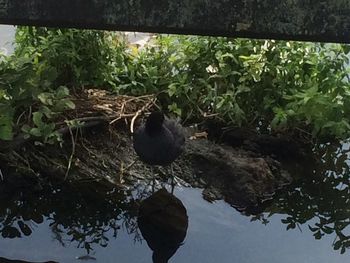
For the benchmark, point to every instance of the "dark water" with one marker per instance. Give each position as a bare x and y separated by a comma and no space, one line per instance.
64,222
216,233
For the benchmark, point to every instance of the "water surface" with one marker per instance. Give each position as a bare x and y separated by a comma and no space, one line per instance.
64,223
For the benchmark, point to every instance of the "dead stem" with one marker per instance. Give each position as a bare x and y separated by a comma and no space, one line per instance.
74,139
44,157
145,107
29,168
122,170
20,117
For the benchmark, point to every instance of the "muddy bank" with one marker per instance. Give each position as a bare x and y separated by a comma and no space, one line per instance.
243,168
104,154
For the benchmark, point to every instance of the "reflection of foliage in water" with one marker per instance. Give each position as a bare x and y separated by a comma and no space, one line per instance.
85,216
88,213
321,198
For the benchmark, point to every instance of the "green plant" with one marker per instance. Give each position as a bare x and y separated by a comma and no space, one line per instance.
274,85
28,101
277,86
80,57
34,81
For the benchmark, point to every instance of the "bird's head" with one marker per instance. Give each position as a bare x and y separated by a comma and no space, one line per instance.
154,122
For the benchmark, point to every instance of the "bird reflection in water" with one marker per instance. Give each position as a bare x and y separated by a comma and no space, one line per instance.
163,222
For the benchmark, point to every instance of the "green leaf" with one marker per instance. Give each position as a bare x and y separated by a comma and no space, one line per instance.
70,104
37,116
45,98
50,74
6,115
172,89
6,132
173,108
62,92
46,111
35,132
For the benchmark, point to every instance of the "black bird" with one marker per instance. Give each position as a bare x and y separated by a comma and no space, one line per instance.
159,141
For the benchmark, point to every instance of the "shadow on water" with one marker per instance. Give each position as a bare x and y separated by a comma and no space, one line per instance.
89,214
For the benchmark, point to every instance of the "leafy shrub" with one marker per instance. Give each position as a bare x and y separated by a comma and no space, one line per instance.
34,81
80,57
28,100
272,85
268,84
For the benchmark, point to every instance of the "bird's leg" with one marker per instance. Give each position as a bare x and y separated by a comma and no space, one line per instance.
153,179
172,179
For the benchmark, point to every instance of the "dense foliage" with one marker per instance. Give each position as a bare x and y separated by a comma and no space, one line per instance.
79,57
28,99
273,85
35,81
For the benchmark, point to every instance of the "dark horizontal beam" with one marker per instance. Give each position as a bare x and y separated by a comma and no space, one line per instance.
310,20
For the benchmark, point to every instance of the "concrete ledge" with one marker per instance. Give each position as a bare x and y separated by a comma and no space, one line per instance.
326,20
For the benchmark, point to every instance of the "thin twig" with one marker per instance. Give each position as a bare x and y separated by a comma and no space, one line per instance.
139,112
46,158
121,113
21,158
1,175
123,170
24,161
122,116
20,117
116,119
130,165
188,117
30,113
73,150
303,131
122,108
87,149
92,118
139,98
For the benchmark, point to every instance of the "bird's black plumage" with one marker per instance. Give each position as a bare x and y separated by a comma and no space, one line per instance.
159,141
